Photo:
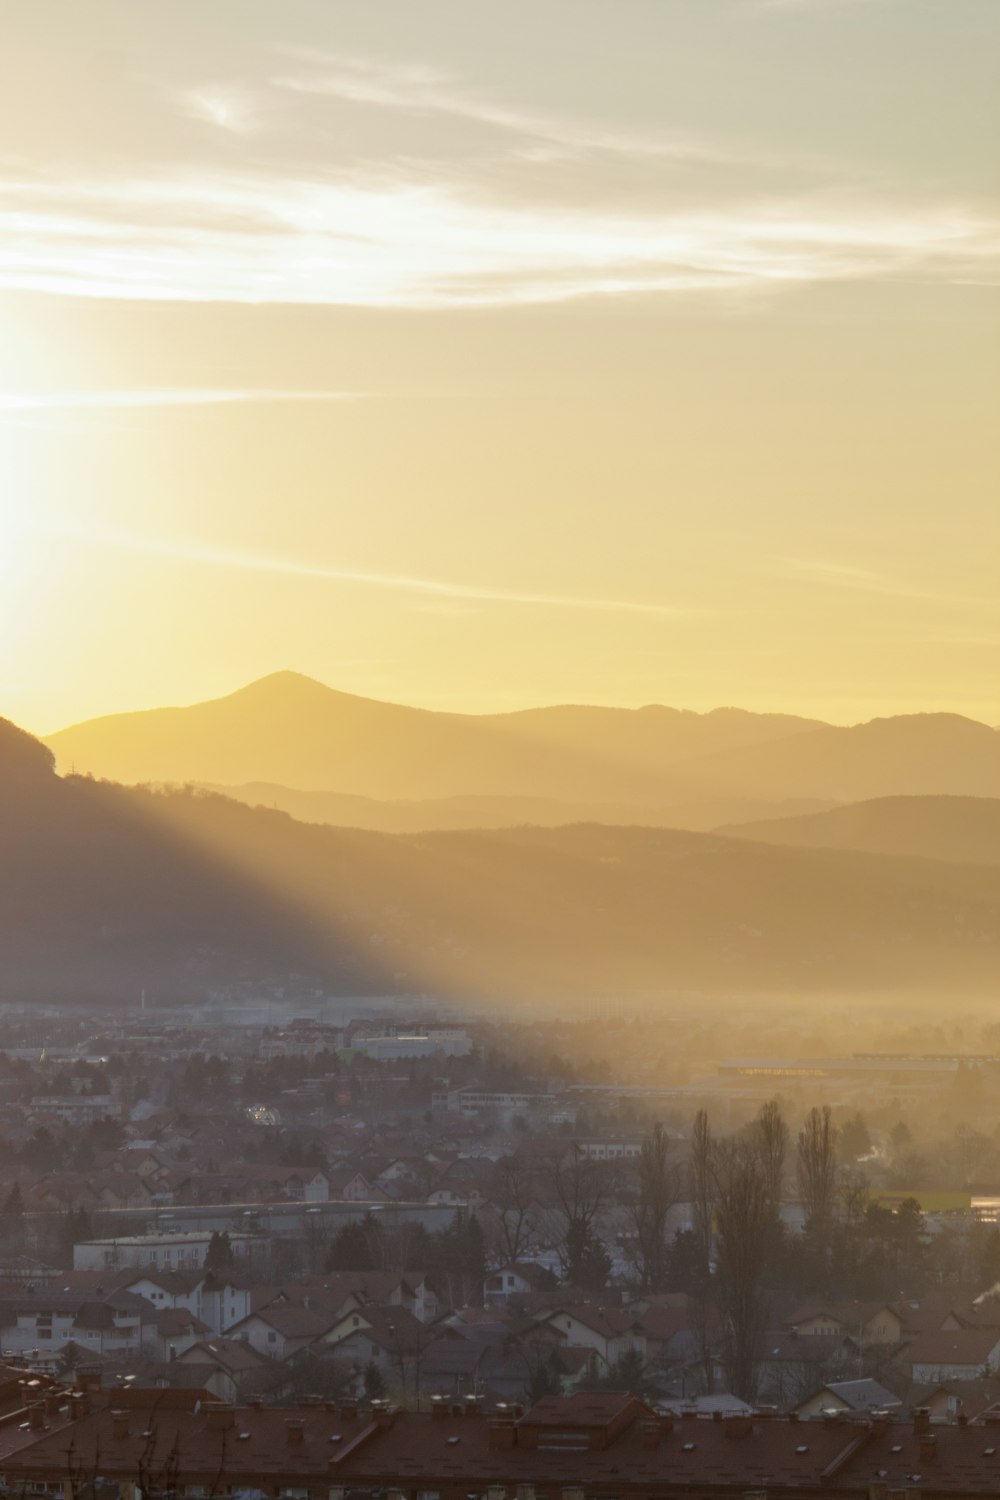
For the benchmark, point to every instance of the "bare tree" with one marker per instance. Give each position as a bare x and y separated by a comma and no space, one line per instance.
658,1192
513,1192
817,1153
703,1212
743,1219
769,1134
855,1194
580,1188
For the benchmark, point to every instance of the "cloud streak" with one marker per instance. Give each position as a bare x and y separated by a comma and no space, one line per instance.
362,241
862,580
18,401
192,552
417,89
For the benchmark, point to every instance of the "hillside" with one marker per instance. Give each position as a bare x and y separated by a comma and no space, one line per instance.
288,729
965,829
104,888
910,755
420,816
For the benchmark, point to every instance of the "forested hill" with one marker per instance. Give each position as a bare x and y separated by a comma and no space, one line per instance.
107,888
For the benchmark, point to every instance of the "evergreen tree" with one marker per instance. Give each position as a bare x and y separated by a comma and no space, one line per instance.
219,1255
12,1213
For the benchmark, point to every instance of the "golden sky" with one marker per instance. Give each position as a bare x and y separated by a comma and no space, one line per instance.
477,355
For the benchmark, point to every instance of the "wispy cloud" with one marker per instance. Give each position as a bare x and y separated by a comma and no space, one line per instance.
808,5
417,89
159,396
395,243
218,557
863,580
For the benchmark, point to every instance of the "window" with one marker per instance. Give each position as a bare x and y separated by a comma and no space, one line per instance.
272,1337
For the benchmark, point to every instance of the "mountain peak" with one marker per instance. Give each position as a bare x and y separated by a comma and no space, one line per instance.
284,682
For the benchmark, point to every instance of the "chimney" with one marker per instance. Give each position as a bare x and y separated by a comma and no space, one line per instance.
501,1433
572,1492
689,1414
921,1421
928,1447
349,1411
439,1408
36,1416
220,1416
473,1406
383,1414
295,1430
650,1433
256,1403
52,1403
526,1492
496,1492
119,1425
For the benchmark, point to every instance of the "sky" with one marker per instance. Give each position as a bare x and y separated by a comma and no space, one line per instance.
484,353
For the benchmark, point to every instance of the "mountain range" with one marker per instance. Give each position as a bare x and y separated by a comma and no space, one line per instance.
287,735
105,888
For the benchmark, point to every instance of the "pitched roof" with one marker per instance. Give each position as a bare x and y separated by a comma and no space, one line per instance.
863,1395
959,1346
233,1355
609,1322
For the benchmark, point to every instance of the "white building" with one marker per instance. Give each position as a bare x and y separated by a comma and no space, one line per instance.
473,1100
437,1041
165,1252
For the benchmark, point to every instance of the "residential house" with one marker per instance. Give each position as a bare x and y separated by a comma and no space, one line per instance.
216,1299
282,1328
858,1396
228,1368
954,1354
610,1331
48,1320
390,1338
171,1331
519,1279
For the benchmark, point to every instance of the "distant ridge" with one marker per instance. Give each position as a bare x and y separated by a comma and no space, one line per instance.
419,815
293,731
290,731
964,829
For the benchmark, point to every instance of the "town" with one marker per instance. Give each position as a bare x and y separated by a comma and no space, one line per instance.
400,1246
